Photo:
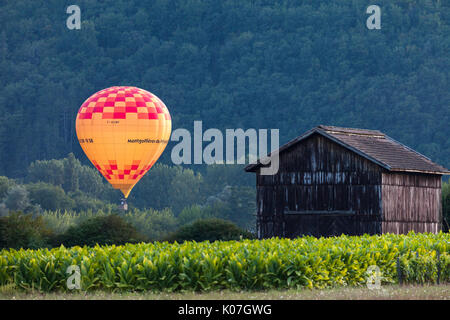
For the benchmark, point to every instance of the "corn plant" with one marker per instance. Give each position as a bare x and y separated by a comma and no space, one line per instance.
305,262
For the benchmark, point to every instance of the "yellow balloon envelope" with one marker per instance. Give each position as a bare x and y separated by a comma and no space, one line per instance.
123,131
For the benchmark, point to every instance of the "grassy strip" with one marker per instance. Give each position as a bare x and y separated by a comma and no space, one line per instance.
390,292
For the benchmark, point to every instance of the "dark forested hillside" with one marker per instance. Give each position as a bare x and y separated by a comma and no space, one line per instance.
287,64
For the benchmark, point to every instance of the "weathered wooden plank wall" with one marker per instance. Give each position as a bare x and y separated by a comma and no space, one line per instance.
411,201
320,175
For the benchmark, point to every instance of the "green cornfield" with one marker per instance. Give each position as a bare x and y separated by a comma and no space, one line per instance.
275,263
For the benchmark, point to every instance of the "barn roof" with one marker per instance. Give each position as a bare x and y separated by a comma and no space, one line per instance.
372,145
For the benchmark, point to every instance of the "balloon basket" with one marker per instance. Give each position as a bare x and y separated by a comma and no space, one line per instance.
123,204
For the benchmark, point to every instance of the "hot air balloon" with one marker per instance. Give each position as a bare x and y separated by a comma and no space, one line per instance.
123,131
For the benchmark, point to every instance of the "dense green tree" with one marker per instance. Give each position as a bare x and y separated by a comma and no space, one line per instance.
103,230
83,202
168,187
211,229
18,230
17,199
185,189
4,211
446,205
242,203
196,212
153,224
217,176
91,182
49,171
71,175
234,203
5,184
71,169
153,189
49,197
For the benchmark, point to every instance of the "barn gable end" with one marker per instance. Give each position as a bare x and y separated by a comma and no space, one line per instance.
411,202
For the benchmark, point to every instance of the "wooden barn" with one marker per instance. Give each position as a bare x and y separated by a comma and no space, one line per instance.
334,181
